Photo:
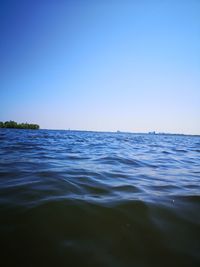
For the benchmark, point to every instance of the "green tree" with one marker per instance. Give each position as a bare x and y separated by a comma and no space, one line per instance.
15,125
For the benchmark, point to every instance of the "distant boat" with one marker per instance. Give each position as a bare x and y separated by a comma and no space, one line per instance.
152,132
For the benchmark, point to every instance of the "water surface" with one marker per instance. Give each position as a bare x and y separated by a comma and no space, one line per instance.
99,199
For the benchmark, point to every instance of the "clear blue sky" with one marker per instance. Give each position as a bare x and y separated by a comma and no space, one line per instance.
101,65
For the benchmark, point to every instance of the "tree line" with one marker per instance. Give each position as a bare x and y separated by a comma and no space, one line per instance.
15,125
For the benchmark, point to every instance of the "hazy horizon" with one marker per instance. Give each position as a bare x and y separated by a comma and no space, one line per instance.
131,66
105,131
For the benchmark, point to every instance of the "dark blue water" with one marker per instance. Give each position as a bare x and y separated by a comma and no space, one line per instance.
99,199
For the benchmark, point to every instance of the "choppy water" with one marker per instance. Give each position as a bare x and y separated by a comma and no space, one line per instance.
99,199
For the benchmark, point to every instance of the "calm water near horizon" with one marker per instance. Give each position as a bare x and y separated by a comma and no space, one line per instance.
99,199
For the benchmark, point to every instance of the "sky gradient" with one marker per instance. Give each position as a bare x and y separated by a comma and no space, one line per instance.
101,65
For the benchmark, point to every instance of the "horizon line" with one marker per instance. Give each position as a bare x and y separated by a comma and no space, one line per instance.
121,132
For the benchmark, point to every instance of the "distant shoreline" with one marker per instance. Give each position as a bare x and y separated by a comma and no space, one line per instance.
121,132
15,125
24,126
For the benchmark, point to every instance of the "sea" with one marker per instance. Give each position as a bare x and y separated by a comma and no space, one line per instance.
74,198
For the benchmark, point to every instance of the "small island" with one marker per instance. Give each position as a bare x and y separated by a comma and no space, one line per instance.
15,125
